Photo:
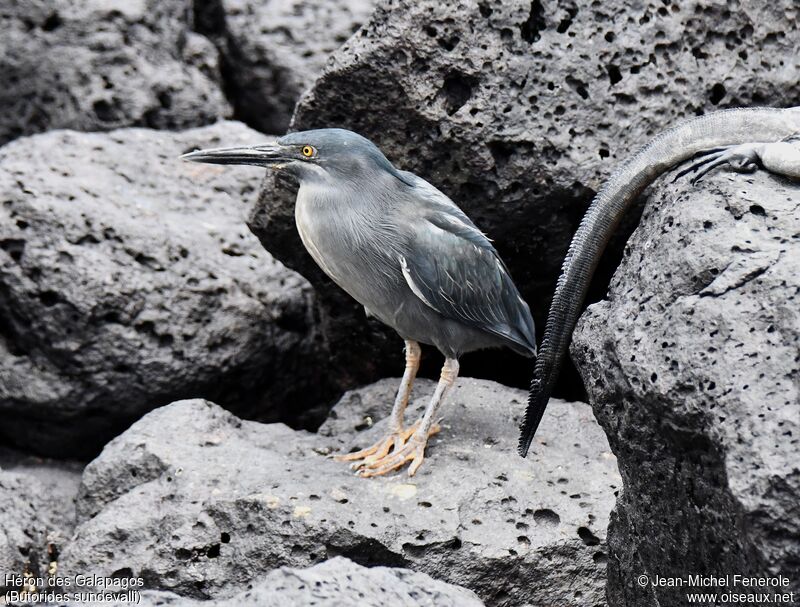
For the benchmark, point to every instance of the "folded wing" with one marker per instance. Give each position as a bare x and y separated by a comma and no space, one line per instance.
454,269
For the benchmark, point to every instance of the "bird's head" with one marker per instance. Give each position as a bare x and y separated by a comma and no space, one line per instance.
324,155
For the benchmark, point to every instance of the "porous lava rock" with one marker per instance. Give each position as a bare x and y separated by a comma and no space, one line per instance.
272,51
90,65
338,581
201,503
692,369
37,514
128,278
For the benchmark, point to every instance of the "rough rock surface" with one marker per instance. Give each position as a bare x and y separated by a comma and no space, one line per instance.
692,368
129,279
273,51
92,65
198,502
337,582
37,512
518,110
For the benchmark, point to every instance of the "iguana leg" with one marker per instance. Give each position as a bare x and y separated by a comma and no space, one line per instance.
397,436
779,157
783,157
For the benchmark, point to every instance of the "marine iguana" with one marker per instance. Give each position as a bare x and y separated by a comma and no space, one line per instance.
744,138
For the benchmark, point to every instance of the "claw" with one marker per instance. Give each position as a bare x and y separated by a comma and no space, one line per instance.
381,448
705,157
708,168
741,158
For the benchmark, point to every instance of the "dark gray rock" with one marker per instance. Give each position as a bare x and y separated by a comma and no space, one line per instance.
128,279
37,514
91,65
518,110
338,582
692,368
273,51
200,503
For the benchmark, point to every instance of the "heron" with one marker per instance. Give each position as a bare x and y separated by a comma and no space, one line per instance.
408,254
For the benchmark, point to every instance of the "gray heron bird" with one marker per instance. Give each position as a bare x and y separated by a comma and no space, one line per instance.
407,253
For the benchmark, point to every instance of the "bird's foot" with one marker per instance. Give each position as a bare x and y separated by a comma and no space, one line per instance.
374,457
379,450
744,158
412,451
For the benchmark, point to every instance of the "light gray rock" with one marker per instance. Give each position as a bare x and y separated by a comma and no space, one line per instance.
128,279
337,582
37,513
94,65
200,503
519,110
273,51
692,367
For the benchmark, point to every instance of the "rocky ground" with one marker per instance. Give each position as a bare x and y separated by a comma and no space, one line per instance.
37,505
337,581
167,375
229,501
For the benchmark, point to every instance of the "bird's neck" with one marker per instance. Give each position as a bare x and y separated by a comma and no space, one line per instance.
344,198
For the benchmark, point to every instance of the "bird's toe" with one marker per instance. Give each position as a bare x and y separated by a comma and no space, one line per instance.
419,457
413,451
376,451
391,452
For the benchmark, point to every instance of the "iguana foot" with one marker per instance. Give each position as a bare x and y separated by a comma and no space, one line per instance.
744,158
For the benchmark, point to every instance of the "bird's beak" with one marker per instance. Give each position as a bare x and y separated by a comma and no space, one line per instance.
264,155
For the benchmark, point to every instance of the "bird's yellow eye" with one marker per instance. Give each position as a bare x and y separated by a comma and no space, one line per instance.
308,151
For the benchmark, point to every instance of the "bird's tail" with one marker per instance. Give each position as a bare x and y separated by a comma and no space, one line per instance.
727,127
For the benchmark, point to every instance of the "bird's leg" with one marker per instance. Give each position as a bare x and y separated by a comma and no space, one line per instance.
414,449
397,436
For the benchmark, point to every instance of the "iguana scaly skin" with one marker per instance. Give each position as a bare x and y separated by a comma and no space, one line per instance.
742,138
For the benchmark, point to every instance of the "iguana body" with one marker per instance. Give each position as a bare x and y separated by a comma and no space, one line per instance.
742,138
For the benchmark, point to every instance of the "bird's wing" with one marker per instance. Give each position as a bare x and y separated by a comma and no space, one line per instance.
453,267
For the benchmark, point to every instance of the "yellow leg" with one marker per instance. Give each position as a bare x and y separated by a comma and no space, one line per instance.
414,449
397,436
